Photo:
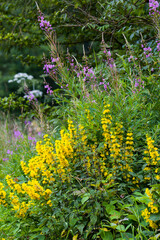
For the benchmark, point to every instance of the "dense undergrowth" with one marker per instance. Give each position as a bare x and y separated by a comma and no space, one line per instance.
97,174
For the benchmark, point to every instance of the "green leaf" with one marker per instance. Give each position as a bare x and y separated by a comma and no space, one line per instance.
121,228
40,237
106,235
80,228
93,219
127,236
37,236
132,217
115,215
86,196
17,229
155,217
110,208
72,220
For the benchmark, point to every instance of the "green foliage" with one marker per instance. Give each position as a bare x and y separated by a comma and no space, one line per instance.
77,23
96,175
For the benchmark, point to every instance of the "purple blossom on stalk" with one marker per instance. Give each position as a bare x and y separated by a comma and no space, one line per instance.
138,85
54,59
147,51
27,122
18,134
109,53
88,73
32,139
49,90
30,96
105,84
48,67
5,159
153,5
129,59
9,152
44,25
110,60
79,73
158,46
105,87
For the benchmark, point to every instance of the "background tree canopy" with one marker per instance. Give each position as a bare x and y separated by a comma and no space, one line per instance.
77,23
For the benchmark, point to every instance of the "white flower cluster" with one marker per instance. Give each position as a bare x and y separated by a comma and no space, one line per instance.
19,77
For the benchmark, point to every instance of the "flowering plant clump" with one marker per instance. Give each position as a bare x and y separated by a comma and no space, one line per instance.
77,160
85,179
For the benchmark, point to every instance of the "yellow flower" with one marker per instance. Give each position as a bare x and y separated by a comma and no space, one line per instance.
49,203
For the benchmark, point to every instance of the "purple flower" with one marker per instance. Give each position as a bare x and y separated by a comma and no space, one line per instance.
9,152
129,59
27,122
48,68
136,84
5,159
18,134
30,96
31,138
44,25
109,53
153,5
105,87
158,47
54,59
49,91
147,51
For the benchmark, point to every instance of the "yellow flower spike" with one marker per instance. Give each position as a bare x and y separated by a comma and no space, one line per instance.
45,136
2,195
146,214
152,157
152,224
157,177
106,111
49,203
